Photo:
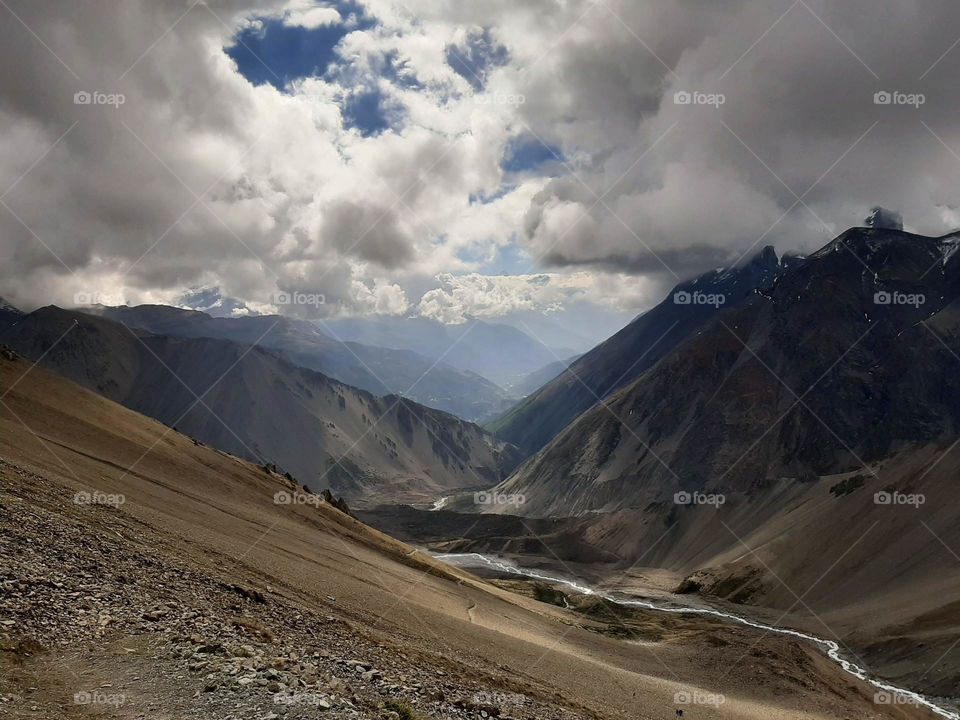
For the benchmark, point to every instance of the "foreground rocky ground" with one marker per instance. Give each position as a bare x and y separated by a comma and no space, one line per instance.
98,615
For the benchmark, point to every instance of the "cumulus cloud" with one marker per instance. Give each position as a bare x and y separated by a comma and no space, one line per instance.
197,178
703,131
382,298
308,14
460,297
689,134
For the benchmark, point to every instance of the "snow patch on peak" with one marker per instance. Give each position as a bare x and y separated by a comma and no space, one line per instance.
4,305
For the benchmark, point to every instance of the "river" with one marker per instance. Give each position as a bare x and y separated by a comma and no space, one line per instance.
829,648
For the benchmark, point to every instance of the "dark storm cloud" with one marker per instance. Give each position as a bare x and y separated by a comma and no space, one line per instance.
746,106
371,232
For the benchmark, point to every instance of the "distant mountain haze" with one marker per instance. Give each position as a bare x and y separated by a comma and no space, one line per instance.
497,351
538,378
257,405
380,370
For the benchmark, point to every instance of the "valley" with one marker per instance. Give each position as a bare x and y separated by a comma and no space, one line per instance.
433,360
719,516
231,601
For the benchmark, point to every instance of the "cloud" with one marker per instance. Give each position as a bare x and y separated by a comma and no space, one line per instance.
200,178
383,298
695,131
309,14
882,218
371,232
490,296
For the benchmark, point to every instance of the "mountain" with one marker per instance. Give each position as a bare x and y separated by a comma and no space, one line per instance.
497,351
378,370
538,378
848,357
166,574
618,361
8,313
881,578
252,403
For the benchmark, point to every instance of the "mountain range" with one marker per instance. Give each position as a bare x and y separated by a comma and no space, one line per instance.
140,575
618,361
380,370
816,366
502,353
785,409
795,449
254,403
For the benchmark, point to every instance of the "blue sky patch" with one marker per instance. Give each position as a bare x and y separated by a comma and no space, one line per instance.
277,54
512,259
526,153
366,111
477,57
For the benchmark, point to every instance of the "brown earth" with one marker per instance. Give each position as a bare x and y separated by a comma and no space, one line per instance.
199,596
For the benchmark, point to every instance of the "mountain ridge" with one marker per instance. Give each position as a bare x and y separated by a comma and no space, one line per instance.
253,403
721,411
378,370
537,419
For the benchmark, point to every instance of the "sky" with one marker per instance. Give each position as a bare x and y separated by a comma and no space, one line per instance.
569,160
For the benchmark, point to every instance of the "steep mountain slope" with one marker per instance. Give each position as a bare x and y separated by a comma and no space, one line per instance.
376,369
537,419
500,352
142,567
250,402
848,357
538,378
